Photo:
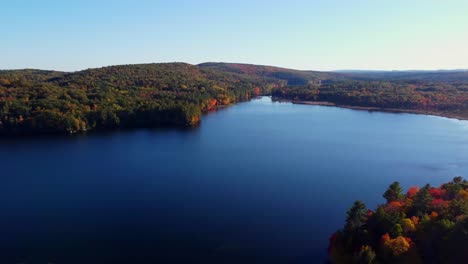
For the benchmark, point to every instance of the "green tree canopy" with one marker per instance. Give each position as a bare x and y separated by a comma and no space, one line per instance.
422,200
394,192
356,216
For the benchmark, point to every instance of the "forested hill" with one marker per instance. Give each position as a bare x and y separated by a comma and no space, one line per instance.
289,76
143,95
443,93
33,101
448,76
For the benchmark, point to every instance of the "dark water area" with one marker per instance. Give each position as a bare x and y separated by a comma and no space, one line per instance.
258,182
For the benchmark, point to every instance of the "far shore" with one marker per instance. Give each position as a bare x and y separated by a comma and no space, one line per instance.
378,109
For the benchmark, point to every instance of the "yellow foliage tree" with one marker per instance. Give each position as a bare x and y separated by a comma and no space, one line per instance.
463,194
408,225
398,245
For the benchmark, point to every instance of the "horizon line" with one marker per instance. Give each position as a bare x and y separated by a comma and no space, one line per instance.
242,63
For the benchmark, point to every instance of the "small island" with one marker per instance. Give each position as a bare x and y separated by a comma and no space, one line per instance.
425,225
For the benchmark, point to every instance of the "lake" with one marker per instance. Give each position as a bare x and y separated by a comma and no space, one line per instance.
258,182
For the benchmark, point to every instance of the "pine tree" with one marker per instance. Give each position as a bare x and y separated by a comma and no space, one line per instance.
422,200
394,192
356,216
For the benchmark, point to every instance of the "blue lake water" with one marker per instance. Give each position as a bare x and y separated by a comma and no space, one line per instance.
258,182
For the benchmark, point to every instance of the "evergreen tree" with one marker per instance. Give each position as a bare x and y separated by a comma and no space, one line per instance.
422,200
394,192
356,216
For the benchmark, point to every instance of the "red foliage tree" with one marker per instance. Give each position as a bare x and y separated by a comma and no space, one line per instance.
437,193
412,191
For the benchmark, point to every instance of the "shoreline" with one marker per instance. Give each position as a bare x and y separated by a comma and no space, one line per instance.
378,109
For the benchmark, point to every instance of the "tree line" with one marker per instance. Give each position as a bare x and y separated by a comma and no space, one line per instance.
438,97
175,94
423,225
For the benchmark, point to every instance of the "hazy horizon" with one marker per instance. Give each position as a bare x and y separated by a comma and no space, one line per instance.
297,34
278,66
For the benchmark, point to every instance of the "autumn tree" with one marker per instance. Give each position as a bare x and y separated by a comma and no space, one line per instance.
429,225
454,187
398,245
408,225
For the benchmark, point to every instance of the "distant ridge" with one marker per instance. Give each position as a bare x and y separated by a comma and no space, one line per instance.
290,76
273,73
413,71
293,77
459,75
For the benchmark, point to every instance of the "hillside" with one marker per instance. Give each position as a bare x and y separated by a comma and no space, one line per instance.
33,101
175,94
289,76
443,92
448,76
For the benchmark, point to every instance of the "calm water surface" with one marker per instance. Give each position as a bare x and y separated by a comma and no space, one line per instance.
259,182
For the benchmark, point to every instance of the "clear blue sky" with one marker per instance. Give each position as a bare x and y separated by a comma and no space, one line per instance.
301,34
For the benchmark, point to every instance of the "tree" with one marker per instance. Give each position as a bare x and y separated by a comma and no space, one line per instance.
411,230
423,200
356,216
408,225
452,188
458,207
366,255
396,230
398,246
458,180
412,192
394,192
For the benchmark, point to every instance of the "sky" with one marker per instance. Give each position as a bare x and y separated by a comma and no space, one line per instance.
298,34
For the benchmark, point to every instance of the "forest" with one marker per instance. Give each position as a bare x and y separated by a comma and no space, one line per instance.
423,225
441,98
176,94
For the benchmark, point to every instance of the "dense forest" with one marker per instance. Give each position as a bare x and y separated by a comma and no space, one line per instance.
287,77
441,98
175,94
425,225
453,76
118,96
